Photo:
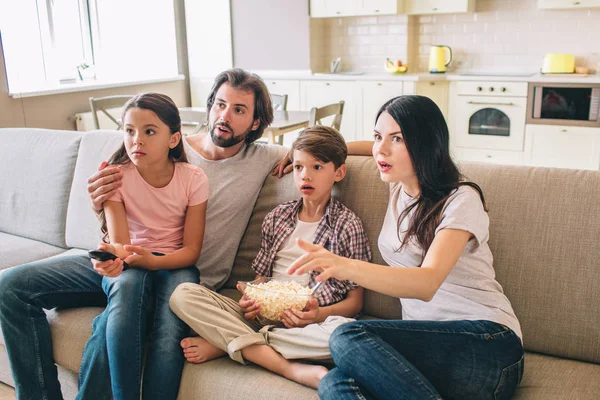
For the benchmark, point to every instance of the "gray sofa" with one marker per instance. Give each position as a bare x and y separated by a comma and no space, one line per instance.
545,225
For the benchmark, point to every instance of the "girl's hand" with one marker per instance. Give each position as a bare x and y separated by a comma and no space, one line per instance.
293,318
250,307
283,167
103,184
110,268
317,258
141,257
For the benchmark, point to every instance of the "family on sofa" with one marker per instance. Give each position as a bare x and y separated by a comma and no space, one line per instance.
459,337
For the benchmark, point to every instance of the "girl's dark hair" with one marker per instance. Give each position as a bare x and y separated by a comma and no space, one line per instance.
244,81
426,137
166,110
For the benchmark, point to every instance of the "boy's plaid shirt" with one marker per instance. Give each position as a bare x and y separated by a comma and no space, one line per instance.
339,231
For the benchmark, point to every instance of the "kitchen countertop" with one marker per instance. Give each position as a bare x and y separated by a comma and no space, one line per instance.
427,77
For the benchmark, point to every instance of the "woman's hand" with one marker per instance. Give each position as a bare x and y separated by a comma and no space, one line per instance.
249,306
283,167
293,318
317,258
110,268
141,257
103,184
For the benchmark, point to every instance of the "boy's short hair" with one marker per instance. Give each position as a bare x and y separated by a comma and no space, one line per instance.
323,143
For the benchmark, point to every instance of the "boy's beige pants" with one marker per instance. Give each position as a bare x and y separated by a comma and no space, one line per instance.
220,321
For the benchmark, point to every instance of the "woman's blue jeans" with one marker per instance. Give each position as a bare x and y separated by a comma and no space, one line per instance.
114,353
423,360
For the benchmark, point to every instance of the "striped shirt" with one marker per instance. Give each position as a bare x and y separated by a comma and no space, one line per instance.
339,231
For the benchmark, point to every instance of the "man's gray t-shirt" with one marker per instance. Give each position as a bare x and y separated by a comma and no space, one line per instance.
470,291
234,184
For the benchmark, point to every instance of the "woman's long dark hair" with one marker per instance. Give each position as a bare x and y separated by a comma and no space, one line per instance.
166,110
427,140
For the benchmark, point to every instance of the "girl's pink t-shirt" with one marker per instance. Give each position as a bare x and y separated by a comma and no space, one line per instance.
156,216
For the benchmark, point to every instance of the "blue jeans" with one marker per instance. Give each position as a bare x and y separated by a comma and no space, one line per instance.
423,360
110,357
122,329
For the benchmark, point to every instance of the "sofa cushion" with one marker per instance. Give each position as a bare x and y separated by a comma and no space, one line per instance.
37,170
225,379
16,250
361,190
83,229
544,230
552,378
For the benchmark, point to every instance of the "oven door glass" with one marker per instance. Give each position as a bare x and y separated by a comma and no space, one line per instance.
566,103
489,121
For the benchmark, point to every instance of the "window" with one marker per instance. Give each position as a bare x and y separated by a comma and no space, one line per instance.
47,42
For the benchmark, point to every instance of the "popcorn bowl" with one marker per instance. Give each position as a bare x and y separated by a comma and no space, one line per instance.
275,297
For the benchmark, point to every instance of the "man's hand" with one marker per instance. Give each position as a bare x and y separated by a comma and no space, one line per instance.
284,166
103,184
293,318
141,257
250,307
110,268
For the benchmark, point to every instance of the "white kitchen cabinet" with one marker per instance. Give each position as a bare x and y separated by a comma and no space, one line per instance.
463,154
557,4
374,95
348,8
436,91
417,7
321,93
289,87
380,7
562,146
333,8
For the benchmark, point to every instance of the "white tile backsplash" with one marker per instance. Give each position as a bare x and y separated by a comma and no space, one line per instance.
501,35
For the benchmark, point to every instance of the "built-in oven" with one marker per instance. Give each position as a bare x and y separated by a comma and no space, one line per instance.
575,104
490,115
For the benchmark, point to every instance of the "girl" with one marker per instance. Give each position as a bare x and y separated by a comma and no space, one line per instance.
155,224
459,337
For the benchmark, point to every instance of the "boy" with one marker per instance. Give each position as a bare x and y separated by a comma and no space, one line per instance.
226,326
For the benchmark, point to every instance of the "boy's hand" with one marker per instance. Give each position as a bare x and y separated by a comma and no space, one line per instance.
293,318
141,257
249,307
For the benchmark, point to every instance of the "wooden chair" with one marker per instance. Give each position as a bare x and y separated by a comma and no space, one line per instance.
192,121
335,109
279,101
103,104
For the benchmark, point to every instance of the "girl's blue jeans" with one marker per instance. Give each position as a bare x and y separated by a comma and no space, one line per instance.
137,309
423,360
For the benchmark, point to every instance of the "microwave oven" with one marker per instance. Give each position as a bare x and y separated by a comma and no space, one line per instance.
564,104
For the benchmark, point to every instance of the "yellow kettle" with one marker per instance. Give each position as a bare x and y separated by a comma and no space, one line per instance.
439,58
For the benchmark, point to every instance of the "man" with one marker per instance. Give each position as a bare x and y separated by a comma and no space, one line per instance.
239,109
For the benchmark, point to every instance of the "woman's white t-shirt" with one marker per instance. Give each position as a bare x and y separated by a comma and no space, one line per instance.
470,292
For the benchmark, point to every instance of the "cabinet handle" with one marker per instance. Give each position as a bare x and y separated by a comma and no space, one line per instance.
431,83
327,84
434,9
379,84
490,103
491,89
489,156
338,12
503,89
576,3
376,10
563,130
479,88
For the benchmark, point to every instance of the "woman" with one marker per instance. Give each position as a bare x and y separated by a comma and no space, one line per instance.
459,337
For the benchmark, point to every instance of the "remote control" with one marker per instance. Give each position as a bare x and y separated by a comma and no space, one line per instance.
102,255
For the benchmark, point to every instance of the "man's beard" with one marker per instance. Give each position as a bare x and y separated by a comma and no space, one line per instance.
232,141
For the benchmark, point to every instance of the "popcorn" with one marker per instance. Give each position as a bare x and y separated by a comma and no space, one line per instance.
276,296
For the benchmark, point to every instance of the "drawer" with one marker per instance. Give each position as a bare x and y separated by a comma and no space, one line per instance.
500,89
488,156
